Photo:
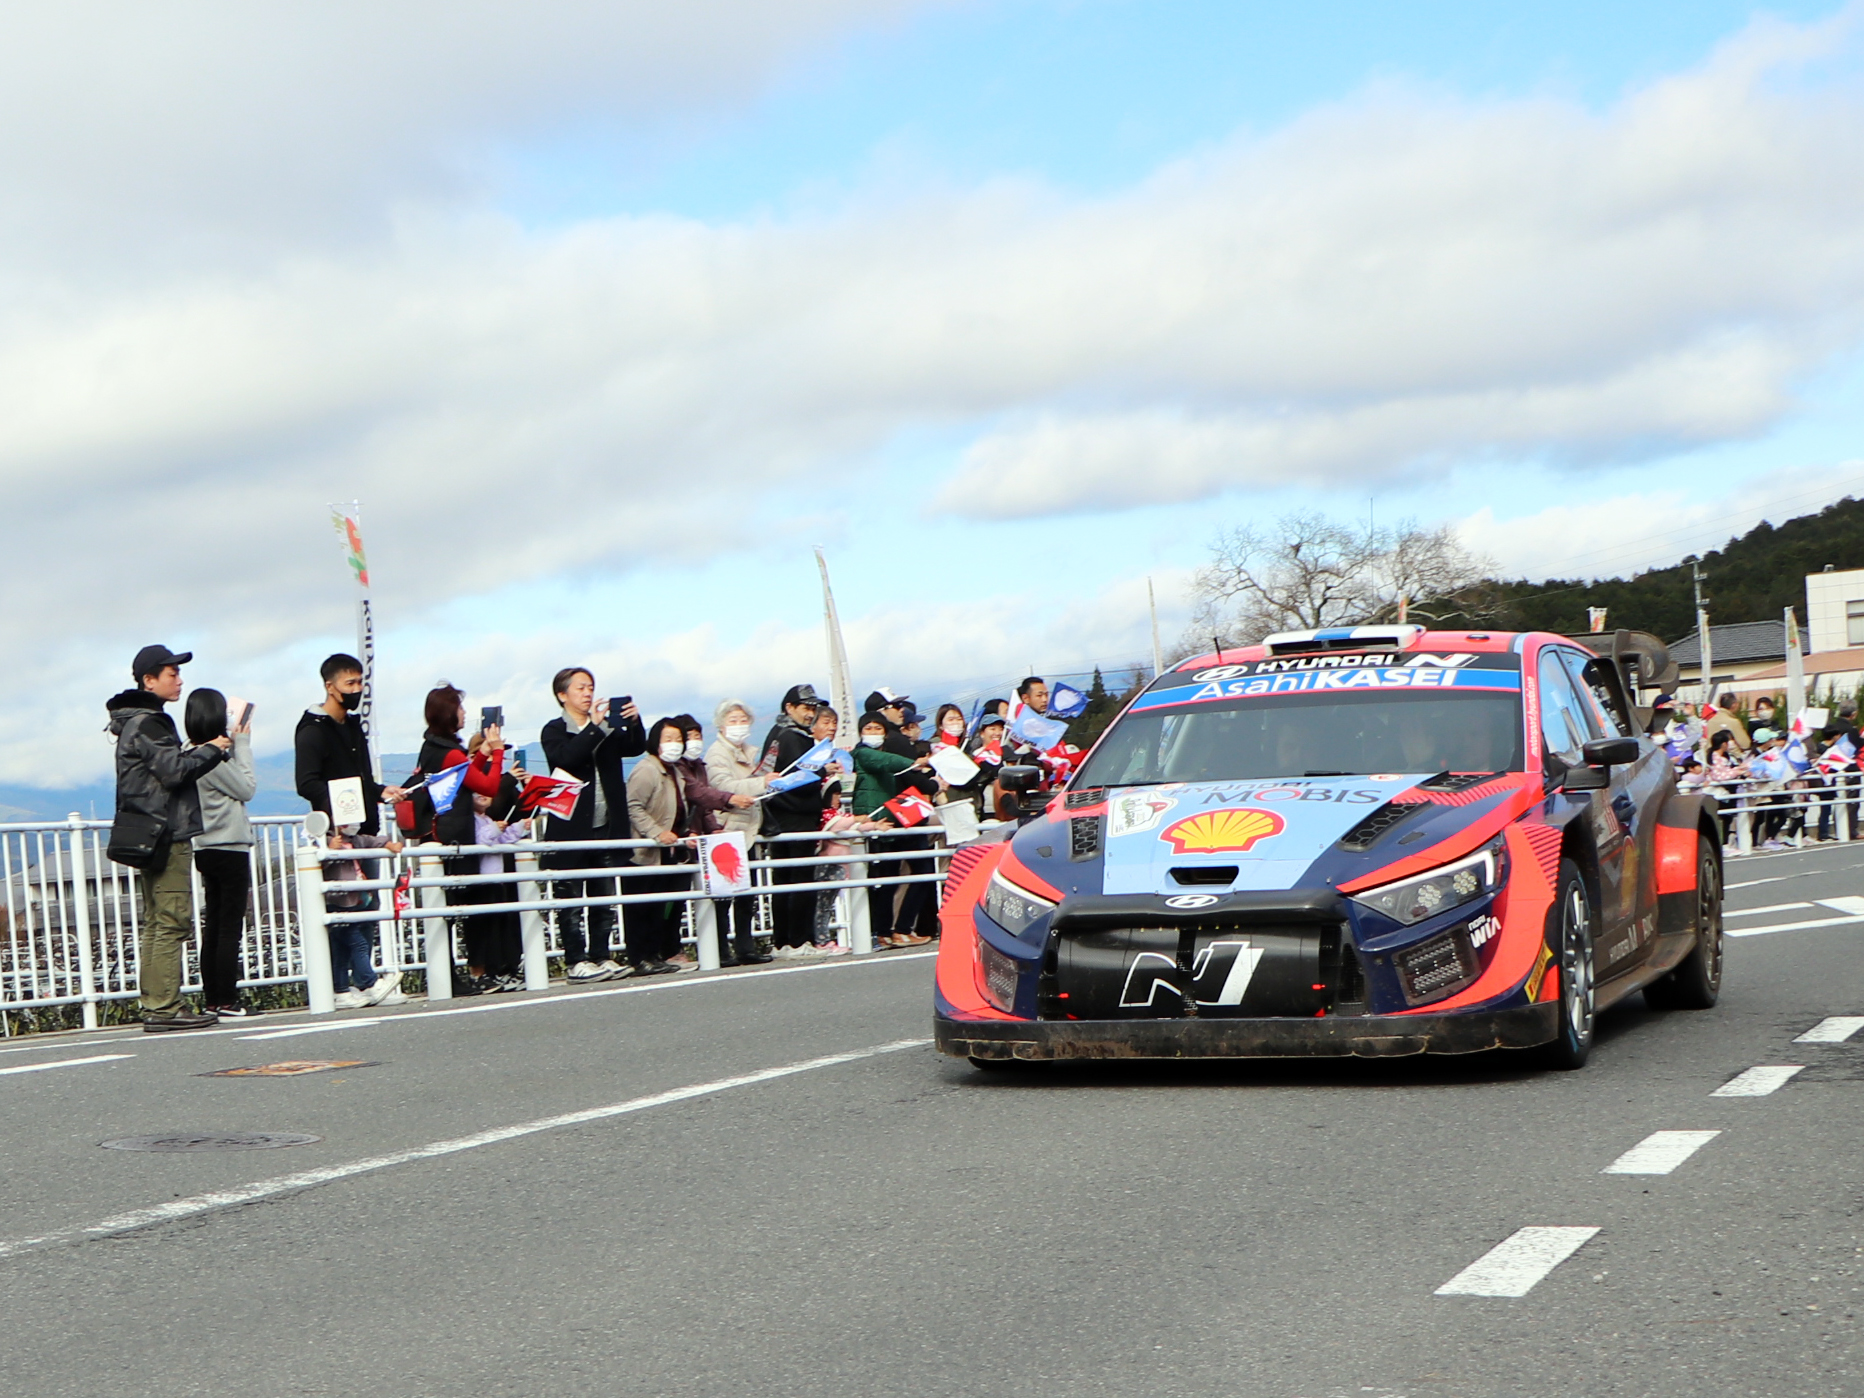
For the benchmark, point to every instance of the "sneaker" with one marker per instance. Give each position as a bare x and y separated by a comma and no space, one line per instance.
831,949
349,1000
505,983
231,1011
587,971
176,1020
613,970
655,968
385,991
785,953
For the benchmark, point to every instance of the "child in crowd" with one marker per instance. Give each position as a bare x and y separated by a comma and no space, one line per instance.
494,941
351,968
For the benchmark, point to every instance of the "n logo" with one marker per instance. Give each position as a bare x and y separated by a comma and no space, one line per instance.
1219,976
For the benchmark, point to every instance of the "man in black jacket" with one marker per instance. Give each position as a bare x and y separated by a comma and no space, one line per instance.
331,745
156,782
793,811
589,743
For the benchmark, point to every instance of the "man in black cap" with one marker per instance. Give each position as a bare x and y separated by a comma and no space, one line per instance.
158,811
787,812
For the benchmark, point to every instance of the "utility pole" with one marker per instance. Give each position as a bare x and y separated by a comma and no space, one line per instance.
1702,633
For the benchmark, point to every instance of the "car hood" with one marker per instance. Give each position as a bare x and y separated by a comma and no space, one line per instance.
1269,831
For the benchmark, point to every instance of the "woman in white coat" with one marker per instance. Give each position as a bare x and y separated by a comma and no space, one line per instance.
732,765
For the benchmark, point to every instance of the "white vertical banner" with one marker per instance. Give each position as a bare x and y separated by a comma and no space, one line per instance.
840,683
347,521
1795,666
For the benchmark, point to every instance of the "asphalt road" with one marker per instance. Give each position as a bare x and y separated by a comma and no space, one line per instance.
877,1220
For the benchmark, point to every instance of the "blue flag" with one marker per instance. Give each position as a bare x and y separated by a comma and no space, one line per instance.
822,753
789,781
1065,701
444,787
1040,733
1795,753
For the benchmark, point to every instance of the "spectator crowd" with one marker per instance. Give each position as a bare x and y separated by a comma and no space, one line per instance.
1786,768
611,777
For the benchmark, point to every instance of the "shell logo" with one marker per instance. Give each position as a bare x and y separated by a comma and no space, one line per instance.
1222,832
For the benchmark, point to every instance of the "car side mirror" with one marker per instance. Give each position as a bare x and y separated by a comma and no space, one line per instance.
1020,778
1611,752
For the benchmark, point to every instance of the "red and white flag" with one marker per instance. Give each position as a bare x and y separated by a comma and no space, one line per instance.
909,808
557,795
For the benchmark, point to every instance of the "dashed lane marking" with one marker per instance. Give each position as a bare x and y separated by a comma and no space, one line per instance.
1514,1266
1792,926
1854,906
65,1063
1659,1153
1756,912
1759,1082
1834,1029
309,1179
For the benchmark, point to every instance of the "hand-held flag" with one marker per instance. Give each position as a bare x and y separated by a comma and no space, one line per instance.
909,808
444,786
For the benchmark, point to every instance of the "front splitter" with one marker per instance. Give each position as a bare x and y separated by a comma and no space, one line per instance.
1365,1036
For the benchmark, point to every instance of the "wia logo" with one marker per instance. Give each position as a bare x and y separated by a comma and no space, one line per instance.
1223,967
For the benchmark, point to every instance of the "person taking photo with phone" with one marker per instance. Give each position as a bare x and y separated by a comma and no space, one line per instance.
223,849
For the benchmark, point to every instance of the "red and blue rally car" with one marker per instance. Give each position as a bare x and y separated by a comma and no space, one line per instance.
1373,840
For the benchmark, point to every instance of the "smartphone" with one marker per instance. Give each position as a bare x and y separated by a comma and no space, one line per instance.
517,759
492,717
239,714
616,705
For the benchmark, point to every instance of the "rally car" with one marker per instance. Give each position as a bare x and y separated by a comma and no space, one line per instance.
1373,840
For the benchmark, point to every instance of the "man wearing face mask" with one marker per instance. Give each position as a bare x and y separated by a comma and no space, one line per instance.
331,744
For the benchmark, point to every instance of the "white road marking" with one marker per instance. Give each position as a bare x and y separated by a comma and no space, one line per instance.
1791,926
309,1179
325,1026
1854,906
1758,1082
53,1041
1659,1153
1756,883
1756,912
1834,1029
66,1063
1513,1266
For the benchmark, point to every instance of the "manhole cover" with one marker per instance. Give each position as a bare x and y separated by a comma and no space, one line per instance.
211,1140
292,1068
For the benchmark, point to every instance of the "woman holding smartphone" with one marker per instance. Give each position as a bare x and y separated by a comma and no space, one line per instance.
223,850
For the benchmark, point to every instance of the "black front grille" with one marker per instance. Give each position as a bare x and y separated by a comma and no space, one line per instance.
1086,796
1083,837
1224,874
1431,970
1366,834
1457,781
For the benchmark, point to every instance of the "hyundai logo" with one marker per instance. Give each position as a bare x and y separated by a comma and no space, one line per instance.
1192,900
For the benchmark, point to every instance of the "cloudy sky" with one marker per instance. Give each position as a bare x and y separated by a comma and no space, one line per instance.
606,312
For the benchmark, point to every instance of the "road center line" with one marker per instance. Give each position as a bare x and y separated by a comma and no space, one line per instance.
309,1179
65,1063
1659,1153
1834,1029
1791,926
1758,1082
1516,1264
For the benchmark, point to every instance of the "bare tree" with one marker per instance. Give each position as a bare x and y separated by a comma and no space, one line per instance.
1306,571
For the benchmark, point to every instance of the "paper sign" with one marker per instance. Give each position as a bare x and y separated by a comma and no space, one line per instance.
960,821
952,765
346,804
724,867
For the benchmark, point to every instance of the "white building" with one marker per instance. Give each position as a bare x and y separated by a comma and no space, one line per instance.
1835,610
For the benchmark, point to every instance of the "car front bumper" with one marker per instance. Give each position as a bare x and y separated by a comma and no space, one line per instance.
1361,1036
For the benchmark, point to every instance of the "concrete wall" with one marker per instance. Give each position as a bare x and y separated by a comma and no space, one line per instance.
1826,597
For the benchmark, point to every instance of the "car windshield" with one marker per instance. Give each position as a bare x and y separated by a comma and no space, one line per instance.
1295,735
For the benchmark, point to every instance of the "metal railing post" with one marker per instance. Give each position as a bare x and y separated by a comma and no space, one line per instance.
81,901
860,910
439,934
705,932
531,923
1842,816
313,938
1744,827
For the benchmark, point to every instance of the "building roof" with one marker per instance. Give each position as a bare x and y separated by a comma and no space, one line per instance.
1737,643
1823,662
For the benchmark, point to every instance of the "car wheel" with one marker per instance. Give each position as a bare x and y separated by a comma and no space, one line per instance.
1696,984
1571,934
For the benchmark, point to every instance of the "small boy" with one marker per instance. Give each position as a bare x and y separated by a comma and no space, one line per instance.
352,971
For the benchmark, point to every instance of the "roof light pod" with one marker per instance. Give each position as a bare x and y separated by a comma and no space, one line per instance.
1343,638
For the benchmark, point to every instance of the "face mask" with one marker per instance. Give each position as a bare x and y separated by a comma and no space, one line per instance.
737,732
351,702
873,740
695,748
672,752
954,726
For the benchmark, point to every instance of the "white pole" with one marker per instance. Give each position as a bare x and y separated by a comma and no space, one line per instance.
860,920
1158,655
313,939
81,905
531,924
439,935
705,932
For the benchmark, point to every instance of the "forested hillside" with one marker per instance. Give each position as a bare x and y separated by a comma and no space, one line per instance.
1752,578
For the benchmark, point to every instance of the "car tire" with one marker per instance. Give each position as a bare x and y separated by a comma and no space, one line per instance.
1569,929
1696,983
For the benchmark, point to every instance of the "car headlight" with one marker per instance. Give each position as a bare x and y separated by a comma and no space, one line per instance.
1414,899
1010,907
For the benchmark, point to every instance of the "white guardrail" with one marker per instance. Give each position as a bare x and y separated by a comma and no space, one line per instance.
70,920
1813,804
